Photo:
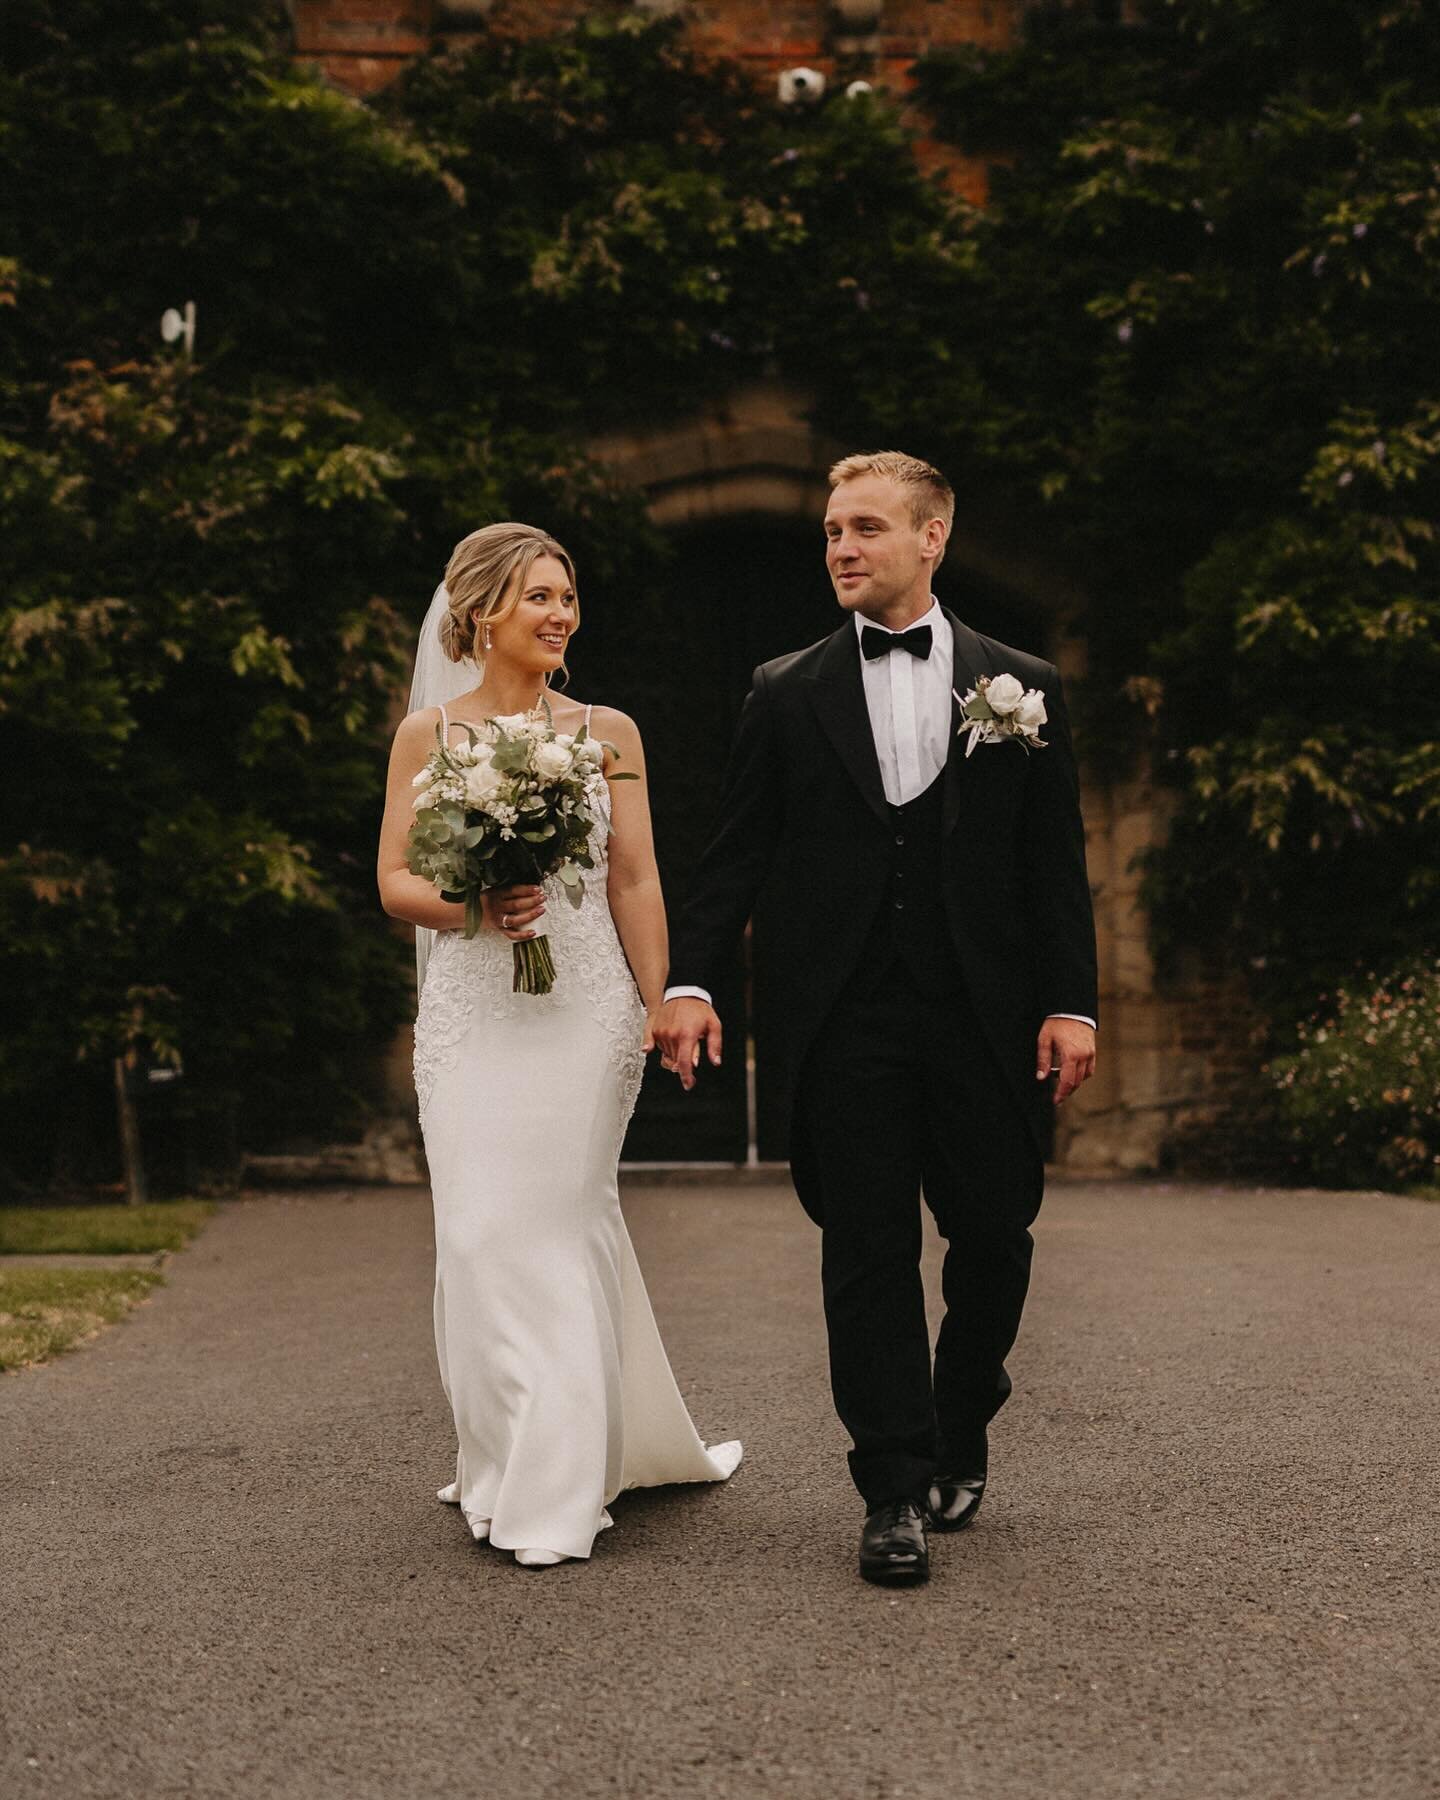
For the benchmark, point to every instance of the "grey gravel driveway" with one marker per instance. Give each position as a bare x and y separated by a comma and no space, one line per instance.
1206,1567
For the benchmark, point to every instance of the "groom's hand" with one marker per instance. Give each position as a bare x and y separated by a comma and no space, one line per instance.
1066,1046
681,1026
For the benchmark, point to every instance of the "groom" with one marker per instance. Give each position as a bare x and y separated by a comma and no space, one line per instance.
939,963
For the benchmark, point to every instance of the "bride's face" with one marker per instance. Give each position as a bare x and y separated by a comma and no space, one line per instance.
533,637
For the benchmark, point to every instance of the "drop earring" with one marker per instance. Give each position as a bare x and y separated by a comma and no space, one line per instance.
486,637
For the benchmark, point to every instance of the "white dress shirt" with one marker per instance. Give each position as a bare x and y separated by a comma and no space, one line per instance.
908,698
909,702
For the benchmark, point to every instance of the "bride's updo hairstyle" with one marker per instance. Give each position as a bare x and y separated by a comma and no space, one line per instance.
486,576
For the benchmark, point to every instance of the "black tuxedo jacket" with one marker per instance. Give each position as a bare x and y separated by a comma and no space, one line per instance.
804,819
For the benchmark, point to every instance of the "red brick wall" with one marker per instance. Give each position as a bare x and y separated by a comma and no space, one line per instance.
361,45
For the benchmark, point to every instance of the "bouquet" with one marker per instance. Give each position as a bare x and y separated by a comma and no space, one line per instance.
517,803
997,708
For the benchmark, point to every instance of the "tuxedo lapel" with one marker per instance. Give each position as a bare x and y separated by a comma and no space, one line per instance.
971,661
838,692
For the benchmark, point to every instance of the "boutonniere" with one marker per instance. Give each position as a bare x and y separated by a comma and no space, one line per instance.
997,708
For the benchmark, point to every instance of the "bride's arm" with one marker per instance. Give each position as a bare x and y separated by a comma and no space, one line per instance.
636,902
403,895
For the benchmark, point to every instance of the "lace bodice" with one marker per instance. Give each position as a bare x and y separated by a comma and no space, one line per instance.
470,978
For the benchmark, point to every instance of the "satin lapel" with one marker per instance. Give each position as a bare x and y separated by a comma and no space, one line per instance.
838,693
971,661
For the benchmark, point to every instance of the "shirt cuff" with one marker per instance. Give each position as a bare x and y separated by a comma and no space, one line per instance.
1080,1018
688,993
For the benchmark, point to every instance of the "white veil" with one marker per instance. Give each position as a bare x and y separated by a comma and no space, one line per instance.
437,682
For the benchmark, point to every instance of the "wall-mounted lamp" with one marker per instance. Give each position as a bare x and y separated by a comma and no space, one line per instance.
178,326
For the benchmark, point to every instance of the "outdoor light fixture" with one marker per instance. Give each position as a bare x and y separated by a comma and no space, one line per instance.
858,88
800,87
176,325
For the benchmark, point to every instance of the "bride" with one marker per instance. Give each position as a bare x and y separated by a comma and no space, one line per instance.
549,1354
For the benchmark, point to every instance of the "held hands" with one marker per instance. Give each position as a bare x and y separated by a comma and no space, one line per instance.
1066,1045
512,911
679,1028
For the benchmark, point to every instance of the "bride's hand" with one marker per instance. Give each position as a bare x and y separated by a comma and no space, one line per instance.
649,1041
512,911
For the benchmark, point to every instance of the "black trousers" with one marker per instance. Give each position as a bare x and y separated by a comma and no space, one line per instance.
900,1094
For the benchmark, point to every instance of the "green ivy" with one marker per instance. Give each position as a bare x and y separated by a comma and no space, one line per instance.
1186,341
1205,292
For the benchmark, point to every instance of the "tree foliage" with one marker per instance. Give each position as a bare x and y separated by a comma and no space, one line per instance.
1189,336
1206,287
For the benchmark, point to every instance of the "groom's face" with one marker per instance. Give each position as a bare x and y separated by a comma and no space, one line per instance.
874,551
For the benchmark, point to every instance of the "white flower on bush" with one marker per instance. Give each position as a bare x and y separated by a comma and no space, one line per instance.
552,761
1030,714
1004,694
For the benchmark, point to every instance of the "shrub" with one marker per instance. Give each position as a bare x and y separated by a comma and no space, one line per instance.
1360,1097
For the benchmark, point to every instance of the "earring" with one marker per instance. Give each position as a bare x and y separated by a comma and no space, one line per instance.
487,637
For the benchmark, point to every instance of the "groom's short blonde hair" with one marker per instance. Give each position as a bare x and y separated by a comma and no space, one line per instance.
928,493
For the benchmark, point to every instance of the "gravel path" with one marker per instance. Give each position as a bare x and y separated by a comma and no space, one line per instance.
1206,1567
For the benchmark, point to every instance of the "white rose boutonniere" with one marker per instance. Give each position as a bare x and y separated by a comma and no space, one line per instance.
1003,693
998,708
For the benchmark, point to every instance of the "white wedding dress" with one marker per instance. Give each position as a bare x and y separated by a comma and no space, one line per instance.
549,1353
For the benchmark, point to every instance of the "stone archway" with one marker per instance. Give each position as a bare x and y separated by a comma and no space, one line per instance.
753,453
757,455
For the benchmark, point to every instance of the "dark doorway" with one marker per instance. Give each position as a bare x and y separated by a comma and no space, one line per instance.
748,589
745,589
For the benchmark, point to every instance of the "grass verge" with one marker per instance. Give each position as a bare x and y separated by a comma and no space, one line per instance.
45,1311
100,1230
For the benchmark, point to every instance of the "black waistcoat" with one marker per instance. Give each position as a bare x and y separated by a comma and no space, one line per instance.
911,926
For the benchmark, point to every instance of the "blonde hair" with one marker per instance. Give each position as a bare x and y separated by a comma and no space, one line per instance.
485,578
929,494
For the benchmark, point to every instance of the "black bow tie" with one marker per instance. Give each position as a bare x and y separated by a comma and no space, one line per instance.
880,643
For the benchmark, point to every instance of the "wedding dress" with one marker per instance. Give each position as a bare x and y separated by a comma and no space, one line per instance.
549,1353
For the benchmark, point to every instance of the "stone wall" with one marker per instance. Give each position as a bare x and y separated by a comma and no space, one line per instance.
1171,1052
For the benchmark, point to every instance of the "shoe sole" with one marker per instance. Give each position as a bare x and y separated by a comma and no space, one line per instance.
964,1524
895,1574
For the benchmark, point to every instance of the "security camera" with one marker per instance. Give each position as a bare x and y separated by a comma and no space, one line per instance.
800,87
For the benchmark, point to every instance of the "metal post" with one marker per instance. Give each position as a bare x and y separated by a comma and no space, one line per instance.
752,1096
136,1192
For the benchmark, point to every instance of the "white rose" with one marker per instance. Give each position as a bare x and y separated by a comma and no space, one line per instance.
514,724
428,798
482,783
593,752
1004,694
552,761
1030,713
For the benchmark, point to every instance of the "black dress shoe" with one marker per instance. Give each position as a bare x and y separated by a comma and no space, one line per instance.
955,1500
893,1550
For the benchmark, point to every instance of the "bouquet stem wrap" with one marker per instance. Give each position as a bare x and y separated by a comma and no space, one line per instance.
534,966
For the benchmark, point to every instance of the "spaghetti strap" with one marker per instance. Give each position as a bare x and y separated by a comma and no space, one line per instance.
588,711
444,723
